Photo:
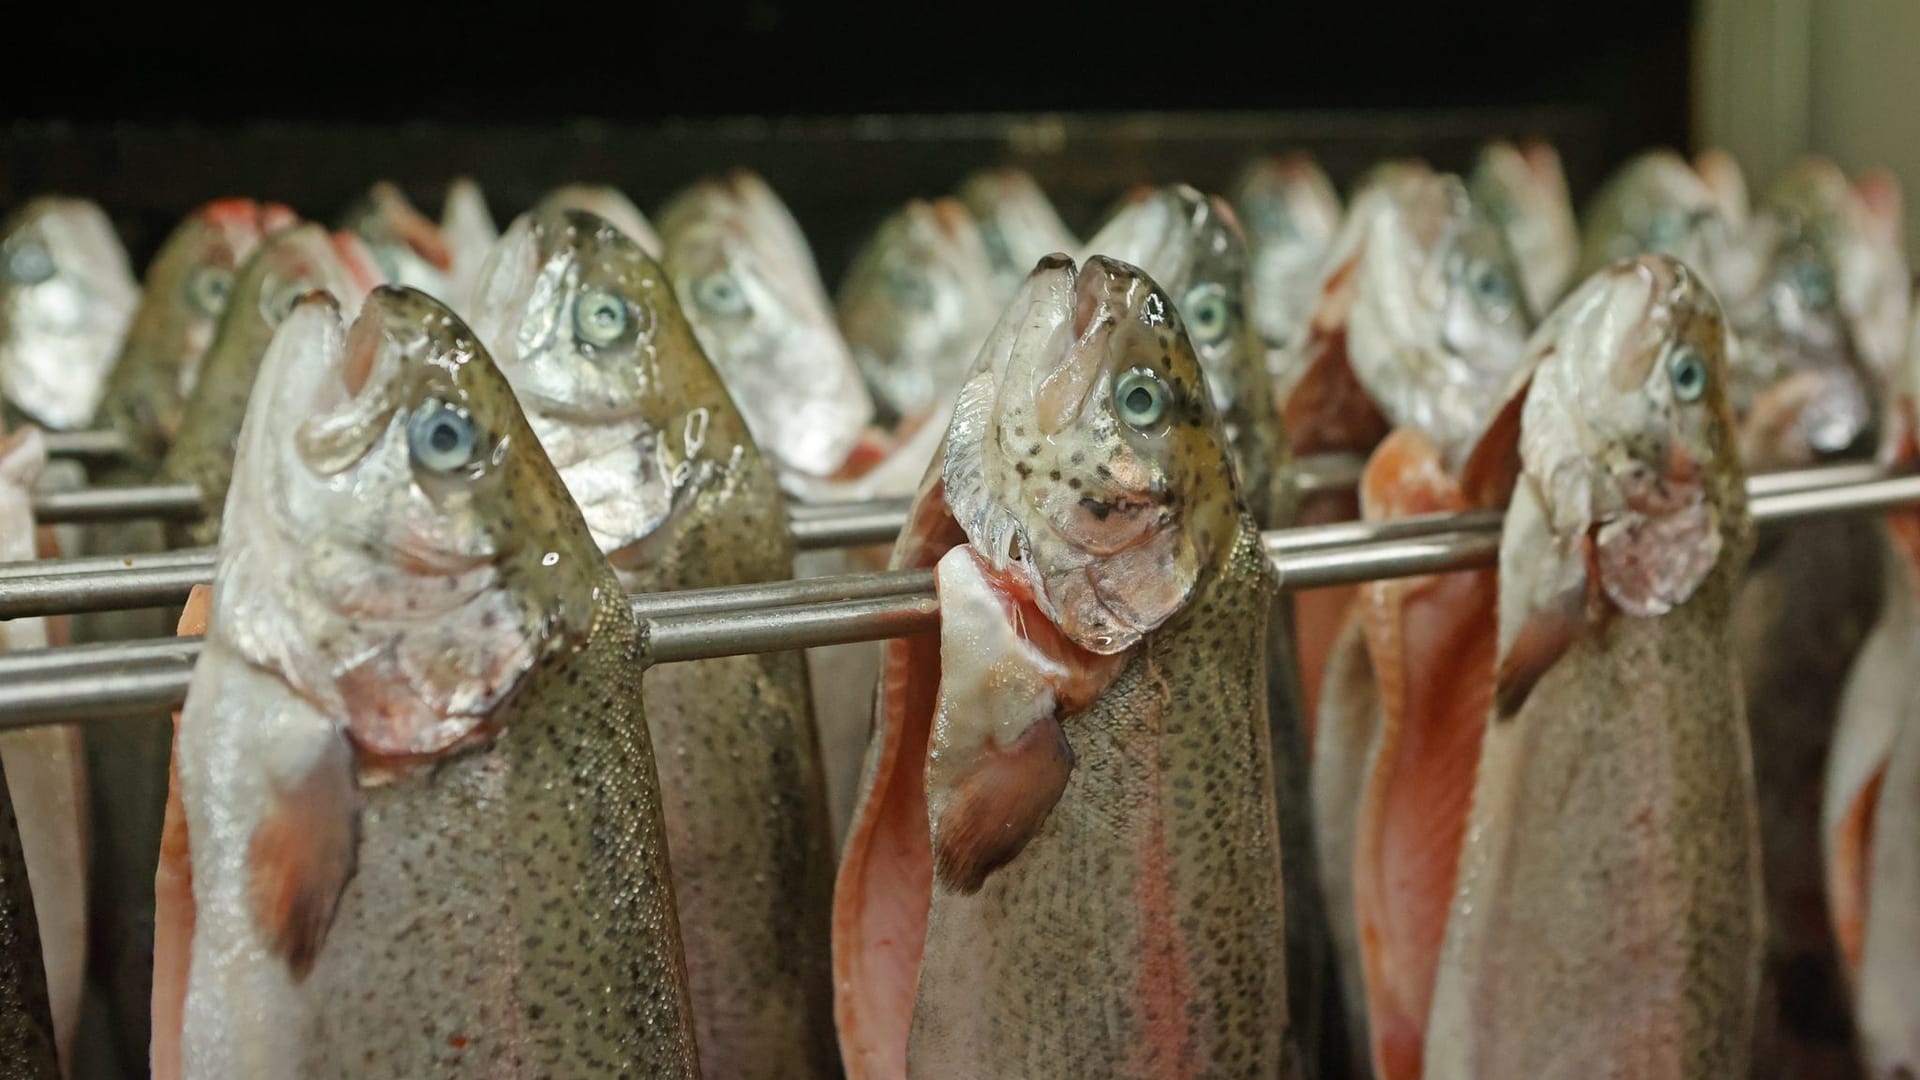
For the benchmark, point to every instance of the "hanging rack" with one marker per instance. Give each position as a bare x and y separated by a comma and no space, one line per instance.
94,682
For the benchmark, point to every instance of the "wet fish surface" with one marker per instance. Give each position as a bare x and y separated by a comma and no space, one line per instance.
66,298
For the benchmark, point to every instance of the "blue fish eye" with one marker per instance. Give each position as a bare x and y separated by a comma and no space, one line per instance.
1140,398
441,437
28,264
1687,371
600,317
1814,282
719,293
207,290
1208,313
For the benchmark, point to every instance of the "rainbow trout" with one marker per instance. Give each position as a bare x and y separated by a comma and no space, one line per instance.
290,264
1524,191
586,328
608,203
1017,222
425,830
1065,860
1290,212
66,298
1609,916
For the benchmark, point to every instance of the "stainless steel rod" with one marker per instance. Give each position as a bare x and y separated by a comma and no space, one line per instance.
110,590
88,693
103,444
92,505
202,557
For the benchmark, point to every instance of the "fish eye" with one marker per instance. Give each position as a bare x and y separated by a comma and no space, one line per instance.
1208,313
28,264
911,289
1140,398
719,293
280,303
600,317
207,289
1665,230
441,437
1491,286
1687,370
1813,281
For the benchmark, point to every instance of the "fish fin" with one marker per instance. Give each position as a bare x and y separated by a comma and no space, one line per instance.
1848,868
1493,465
301,856
1549,630
999,805
174,913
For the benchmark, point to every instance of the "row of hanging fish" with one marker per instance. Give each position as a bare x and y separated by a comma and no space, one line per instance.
1628,803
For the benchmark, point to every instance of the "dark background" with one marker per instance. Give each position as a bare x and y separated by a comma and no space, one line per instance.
154,112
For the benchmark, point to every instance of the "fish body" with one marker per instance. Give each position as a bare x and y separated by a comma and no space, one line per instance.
424,826
1017,223
1290,212
408,247
287,266
1609,916
28,1049
608,203
586,327
46,778
1524,191
1066,858
750,287
917,302
66,299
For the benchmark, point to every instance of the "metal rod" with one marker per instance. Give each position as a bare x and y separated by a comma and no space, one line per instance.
202,557
1327,472
93,505
110,590
848,525
127,678
104,444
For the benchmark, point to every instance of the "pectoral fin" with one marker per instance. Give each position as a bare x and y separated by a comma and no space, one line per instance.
301,856
999,804
1551,627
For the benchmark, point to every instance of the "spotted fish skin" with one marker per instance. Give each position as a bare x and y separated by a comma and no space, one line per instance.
1609,919
27,1049
1179,968
424,821
742,789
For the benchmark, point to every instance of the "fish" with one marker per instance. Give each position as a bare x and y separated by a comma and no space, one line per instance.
424,824
915,306
1609,917
1524,190
586,327
408,247
66,299
27,1044
1069,795
1290,213
1860,224
1017,222
287,266
467,229
184,292
1803,396
1869,793
45,773
749,285
1192,246
1722,174
1656,203
174,913
607,202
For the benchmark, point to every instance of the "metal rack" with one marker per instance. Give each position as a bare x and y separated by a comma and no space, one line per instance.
96,682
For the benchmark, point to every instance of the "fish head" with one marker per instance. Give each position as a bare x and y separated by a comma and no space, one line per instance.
409,247
1860,224
1290,212
466,224
1085,455
404,549
1018,223
1799,384
1439,317
1523,191
1658,204
586,327
763,320
1628,438
66,297
916,304
1191,244
608,203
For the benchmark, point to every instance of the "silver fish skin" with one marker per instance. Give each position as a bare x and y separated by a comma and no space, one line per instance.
607,202
1656,203
916,303
1290,212
1609,918
1523,190
1018,223
466,226
749,286
409,247
67,297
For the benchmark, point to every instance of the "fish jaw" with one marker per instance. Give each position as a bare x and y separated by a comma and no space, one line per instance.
59,335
